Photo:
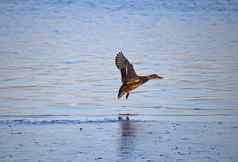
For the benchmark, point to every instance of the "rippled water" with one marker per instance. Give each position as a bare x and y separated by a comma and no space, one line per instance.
57,57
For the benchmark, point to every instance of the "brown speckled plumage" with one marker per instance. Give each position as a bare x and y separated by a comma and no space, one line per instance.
130,80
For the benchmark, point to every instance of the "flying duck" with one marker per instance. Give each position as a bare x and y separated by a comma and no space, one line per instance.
130,80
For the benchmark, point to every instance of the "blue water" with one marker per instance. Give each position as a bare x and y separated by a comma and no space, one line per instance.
57,56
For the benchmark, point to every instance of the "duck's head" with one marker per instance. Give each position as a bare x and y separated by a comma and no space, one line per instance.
155,76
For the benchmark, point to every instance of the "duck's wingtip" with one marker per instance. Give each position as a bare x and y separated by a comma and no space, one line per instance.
119,53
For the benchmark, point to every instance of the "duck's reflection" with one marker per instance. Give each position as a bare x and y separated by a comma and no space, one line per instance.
128,130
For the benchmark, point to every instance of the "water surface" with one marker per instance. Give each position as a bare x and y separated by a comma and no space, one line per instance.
57,57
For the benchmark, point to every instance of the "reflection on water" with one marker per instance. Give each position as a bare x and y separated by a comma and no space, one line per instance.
57,57
127,141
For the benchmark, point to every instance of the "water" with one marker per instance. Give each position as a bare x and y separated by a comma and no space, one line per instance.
57,57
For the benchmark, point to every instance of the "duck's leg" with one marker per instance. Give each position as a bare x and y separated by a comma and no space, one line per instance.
127,94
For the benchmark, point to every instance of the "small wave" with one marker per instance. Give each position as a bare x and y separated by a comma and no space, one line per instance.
67,119
55,121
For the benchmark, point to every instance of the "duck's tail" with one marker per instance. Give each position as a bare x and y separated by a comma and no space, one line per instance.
120,93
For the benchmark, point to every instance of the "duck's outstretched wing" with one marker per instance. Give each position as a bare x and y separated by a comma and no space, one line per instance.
126,68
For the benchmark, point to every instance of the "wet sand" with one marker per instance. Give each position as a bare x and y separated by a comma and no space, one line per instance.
113,140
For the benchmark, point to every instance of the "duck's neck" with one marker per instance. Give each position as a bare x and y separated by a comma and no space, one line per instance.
148,77
145,78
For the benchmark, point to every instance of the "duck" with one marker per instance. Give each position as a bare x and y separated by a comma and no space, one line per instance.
129,78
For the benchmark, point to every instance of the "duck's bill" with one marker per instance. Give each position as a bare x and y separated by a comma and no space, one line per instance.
160,77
